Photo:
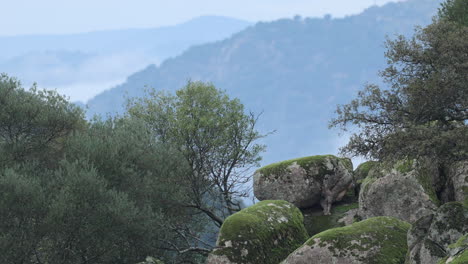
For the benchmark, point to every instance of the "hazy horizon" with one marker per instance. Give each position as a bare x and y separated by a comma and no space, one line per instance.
52,17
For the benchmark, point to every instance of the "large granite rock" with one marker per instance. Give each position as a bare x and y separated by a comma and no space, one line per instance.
405,191
305,182
379,240
430,237
458,181
265,233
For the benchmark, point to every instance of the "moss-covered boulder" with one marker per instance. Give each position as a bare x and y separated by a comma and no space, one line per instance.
361,172
430,238
305,182
379,240
342,214
264,233
404,190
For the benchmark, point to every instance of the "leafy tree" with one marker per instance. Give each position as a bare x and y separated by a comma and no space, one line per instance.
23,209
107,193
455,11
216,138
33,122
424,110
109,201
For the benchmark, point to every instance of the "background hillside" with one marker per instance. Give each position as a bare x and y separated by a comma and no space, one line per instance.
295,71
82,65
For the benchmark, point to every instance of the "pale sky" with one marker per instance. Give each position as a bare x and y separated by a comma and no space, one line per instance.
20,17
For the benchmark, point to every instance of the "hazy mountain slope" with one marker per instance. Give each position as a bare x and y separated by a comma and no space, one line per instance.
80,64
163,40
295,71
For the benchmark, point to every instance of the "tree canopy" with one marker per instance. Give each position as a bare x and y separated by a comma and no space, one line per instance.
33,122
216,138
424,109
77,191
455,11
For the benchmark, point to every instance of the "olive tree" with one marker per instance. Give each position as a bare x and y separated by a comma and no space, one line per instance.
424,109
33,122
216,138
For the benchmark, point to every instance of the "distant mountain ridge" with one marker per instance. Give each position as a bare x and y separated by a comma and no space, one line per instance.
160,39
295,71
80,64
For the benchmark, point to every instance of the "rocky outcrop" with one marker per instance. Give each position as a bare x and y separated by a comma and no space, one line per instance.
405,191
379,240
305,182
265,233
458,181
430,237
361,172
458,252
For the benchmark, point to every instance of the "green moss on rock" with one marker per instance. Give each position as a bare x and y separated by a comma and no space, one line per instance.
451,216
264,233
306,163
404,166
363,169
423,174
315,222
361,173
459,252
384,238
424,177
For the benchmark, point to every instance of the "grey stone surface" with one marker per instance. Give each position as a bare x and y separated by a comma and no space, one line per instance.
305,182
430,237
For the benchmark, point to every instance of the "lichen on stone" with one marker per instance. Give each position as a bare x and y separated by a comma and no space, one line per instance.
458,252
378,240
440,237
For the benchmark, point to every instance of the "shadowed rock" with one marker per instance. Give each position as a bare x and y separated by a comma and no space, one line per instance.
430,237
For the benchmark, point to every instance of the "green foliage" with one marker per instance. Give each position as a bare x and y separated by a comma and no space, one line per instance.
455,11
215,137
73,191
93,222
423,112
23,208
76,212
33,122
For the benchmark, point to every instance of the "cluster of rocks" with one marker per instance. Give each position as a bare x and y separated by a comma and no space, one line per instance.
408,212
